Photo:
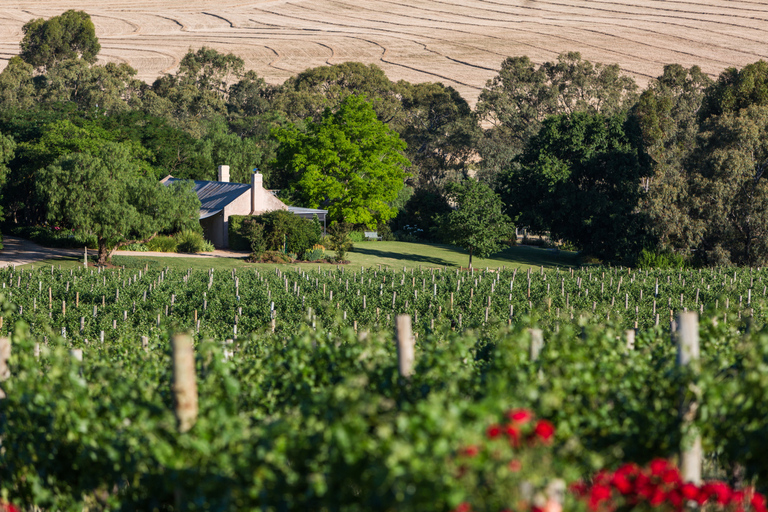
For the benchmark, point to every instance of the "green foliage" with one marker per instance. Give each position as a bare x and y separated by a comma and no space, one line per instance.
338,239
730,189
649,259
317,417
736,89
478,224
349,163
17,90
579,179
310,93
440,131
106,194
517,101
70,35
356,236
279,227
667,115
252,231
54,236
192,241
162,243
421,213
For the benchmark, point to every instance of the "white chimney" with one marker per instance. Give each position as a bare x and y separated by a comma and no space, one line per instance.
257,180
224,173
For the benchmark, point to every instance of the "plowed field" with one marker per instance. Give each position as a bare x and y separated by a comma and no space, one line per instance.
458,42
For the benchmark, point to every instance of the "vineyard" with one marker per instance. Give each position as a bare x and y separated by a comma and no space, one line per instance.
302,403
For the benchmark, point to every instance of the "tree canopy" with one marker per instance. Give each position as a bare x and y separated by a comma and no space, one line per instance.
349,163
579,179
70,35
106,194
478,223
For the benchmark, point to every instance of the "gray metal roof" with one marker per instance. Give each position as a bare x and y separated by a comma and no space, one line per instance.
215,195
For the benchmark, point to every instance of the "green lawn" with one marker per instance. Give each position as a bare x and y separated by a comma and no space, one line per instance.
368,254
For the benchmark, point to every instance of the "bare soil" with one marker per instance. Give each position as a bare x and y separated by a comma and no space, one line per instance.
458,42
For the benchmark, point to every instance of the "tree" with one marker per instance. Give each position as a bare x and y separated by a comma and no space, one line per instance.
478,224
517,101
96,89
579,178
17,89
730,191
70,35
107,193
311,92
349,163
736,89
441,132
7,148
667,115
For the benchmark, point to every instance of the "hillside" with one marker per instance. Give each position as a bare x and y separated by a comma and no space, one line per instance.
458,42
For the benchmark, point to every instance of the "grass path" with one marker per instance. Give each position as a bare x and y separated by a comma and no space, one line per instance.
366,254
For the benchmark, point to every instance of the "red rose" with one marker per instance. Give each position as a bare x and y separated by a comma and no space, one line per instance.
494,431
579,489
689,491
515,465
462,507
657,498
520,416
671,476
7,507
513,433
544,430
719,490
621,483
658,466
758,502
470,451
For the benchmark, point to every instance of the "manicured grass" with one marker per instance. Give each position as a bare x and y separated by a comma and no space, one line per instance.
367,254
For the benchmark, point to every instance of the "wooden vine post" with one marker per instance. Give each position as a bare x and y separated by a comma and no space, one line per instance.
537,343
405,345
184,381
691,454
5,355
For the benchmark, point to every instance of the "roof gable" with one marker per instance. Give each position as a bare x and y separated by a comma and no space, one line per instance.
215,195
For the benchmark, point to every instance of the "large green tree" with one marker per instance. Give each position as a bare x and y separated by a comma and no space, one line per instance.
441,132
109,193
579,179
516,102
70,35
667,114
478,223
311,92
730,191
349,163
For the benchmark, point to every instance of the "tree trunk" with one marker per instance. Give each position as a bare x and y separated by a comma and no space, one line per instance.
103,252
470,257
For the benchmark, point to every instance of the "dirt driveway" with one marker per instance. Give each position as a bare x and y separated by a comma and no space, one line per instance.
17,251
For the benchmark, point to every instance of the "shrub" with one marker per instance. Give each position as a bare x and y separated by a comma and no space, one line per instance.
254,233
317,253
54,237
661,259
192,242
270,257
339,239
280,228
162,243
357,236
135,247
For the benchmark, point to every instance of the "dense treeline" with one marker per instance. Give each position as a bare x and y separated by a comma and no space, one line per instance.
573,148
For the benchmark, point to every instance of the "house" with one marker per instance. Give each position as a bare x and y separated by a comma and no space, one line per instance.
220,199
